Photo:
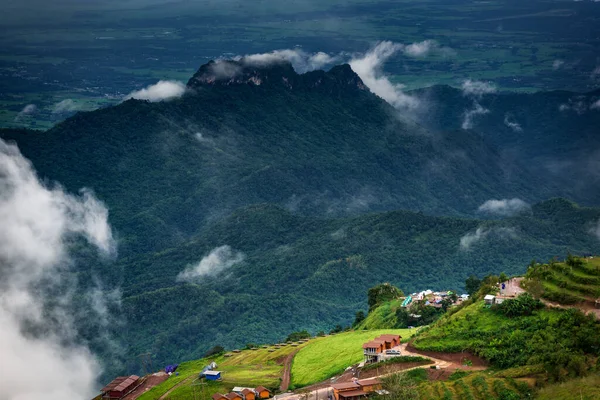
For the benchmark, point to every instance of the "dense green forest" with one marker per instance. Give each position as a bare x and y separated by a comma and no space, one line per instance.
244,212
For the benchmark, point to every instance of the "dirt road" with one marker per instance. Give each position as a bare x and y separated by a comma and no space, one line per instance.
287,372
149,383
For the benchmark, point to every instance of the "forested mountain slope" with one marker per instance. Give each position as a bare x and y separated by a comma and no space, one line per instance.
282,191
319,143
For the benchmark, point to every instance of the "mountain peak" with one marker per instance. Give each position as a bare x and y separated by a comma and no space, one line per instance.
273,71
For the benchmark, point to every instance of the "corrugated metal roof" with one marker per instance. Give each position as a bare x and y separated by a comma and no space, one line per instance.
369,382
120,383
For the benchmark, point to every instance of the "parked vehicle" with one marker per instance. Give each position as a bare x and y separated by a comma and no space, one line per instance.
392,352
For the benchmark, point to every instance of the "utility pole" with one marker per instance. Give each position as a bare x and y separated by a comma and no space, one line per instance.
146,360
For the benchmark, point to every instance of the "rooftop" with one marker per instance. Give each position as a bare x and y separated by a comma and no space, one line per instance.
369,382
345,385
121,383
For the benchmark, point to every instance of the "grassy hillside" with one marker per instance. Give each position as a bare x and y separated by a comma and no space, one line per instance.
586,388
326,357
477,386
251,368
565,342
382,317
316,360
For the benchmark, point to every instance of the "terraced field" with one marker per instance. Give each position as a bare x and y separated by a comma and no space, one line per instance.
576,281
475,387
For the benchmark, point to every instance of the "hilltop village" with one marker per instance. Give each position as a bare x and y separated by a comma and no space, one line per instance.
380,355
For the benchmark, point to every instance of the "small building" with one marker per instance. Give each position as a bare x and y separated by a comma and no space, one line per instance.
500,299
120,387
369,385
489,299
219,396
234,396
348,391
372,350
262,392
248,394
212,375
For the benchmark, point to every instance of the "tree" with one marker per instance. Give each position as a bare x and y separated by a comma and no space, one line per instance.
472,285
381,293
295,336
503,277
360,317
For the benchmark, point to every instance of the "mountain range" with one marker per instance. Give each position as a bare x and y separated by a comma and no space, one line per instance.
264,201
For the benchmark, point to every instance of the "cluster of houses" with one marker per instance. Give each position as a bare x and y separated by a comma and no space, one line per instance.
431,298
376,349
355,390
244,393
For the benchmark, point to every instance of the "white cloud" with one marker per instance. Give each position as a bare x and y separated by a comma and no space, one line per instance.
596,70
29,109
504,207
514,125
471,239
477,88
218,260
163,90
596,105
38,337
576,105
470,115
65,106
300,60
425,48
557,64
369,69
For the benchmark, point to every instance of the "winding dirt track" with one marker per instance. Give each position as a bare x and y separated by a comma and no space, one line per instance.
287,372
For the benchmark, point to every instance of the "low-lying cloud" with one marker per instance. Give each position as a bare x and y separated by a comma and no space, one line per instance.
512,124
426,48
557,64
595,105
38,337
504,207
163,90
65,106
217,261
477,88
471,239
469,115
369,68
29,109
300,60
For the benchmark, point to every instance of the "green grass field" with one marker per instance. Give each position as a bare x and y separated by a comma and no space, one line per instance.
326,357
248,368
